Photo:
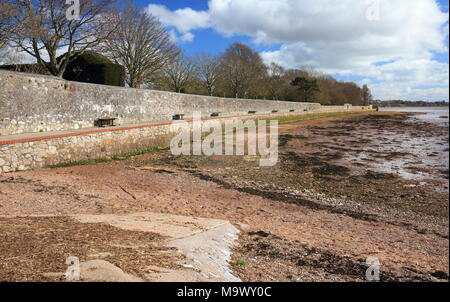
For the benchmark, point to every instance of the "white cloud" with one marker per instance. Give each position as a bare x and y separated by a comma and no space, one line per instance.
183,37
184,20
420,79
336,37
187,37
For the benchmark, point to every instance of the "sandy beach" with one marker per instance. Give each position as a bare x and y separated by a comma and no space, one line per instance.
345,188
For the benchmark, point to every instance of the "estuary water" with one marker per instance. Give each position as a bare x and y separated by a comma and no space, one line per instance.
437,115
431,151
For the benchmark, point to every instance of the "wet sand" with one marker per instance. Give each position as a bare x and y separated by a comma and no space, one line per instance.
328,205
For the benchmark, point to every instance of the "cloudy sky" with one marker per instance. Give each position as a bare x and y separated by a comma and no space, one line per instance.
398,47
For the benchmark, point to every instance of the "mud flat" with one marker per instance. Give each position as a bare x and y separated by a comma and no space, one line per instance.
345,188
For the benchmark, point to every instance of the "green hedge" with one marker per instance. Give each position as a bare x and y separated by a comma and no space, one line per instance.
106,74
91,67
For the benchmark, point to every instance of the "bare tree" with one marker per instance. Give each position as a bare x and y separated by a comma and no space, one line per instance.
6,17
43,29
242,67
274,81
208,71
235,78
177,75
140,43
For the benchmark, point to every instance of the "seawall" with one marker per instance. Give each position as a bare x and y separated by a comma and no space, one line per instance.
46,121
34,103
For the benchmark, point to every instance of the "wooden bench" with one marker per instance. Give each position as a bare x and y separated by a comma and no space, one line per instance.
178,117
105,122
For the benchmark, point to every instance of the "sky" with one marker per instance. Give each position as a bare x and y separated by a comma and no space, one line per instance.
398,47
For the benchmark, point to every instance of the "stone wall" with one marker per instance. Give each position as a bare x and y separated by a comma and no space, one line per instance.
34,103
23,155
30,104
38,152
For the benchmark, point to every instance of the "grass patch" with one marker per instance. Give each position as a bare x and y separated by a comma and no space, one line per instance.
105,160
241,262
293,119
80,163
141,152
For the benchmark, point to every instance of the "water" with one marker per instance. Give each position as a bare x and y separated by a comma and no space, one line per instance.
429,151
429,114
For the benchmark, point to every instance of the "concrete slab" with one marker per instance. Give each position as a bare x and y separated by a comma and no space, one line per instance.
104,271
172,226
207,254
205,243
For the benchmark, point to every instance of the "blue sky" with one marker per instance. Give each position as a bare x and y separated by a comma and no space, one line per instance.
402,53
207,40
